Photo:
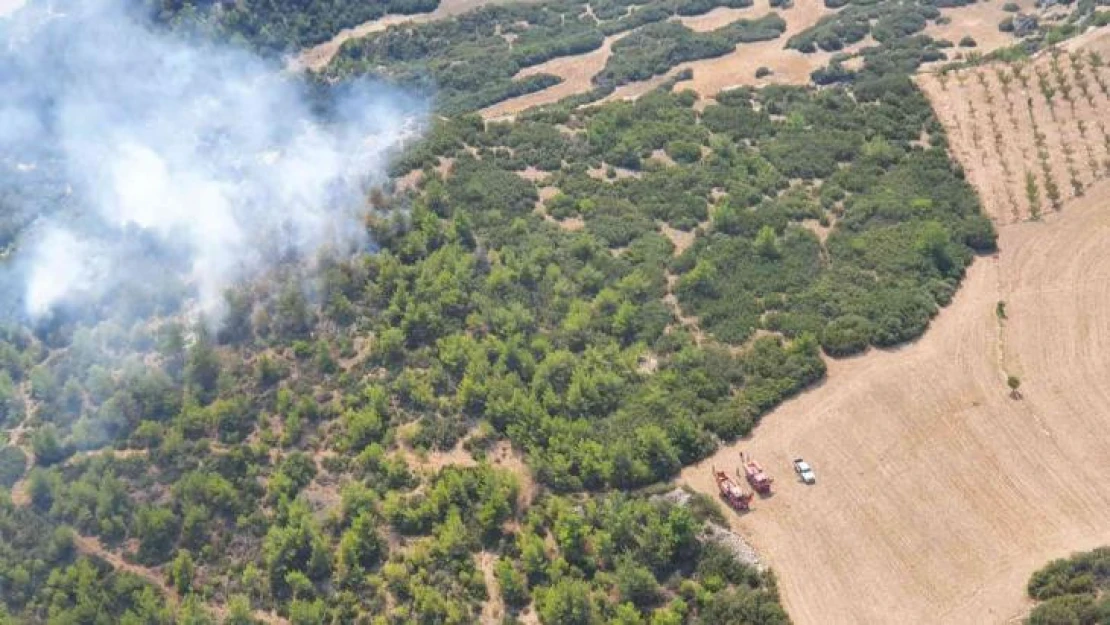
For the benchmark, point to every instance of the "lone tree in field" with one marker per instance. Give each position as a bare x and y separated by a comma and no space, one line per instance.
1014,382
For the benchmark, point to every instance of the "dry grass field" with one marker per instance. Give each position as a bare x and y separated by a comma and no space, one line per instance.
576,71
1031,135
980,22
710,75
938,493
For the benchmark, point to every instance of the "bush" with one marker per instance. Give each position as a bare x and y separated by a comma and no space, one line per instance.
1011,7
967,42
684,151
1072,590
846,335
763,71
1006,25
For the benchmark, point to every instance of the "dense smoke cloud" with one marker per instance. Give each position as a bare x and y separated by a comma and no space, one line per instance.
202,154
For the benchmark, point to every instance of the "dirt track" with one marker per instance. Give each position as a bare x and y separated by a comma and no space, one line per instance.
937,493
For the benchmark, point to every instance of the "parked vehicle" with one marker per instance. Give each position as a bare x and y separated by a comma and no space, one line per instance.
731,492
804,471
756,476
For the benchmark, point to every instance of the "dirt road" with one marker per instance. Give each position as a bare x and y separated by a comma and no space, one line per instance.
937,493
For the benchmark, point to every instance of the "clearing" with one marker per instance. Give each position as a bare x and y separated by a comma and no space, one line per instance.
576,71
710,75
979,21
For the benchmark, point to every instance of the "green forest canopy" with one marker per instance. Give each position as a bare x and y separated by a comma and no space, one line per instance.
276,464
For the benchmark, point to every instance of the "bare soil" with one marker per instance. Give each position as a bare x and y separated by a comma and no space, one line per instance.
501,456
682,240
717,18
689,322
493,610
938,494
711,76
533,174
19,437
91,546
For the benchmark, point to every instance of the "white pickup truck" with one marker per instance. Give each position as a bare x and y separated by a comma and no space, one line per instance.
804,471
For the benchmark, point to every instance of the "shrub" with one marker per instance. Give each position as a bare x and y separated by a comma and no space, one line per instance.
967,42
763,71
684,151
846,335
1070,590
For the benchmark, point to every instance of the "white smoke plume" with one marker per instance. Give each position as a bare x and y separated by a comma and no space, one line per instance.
203,150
